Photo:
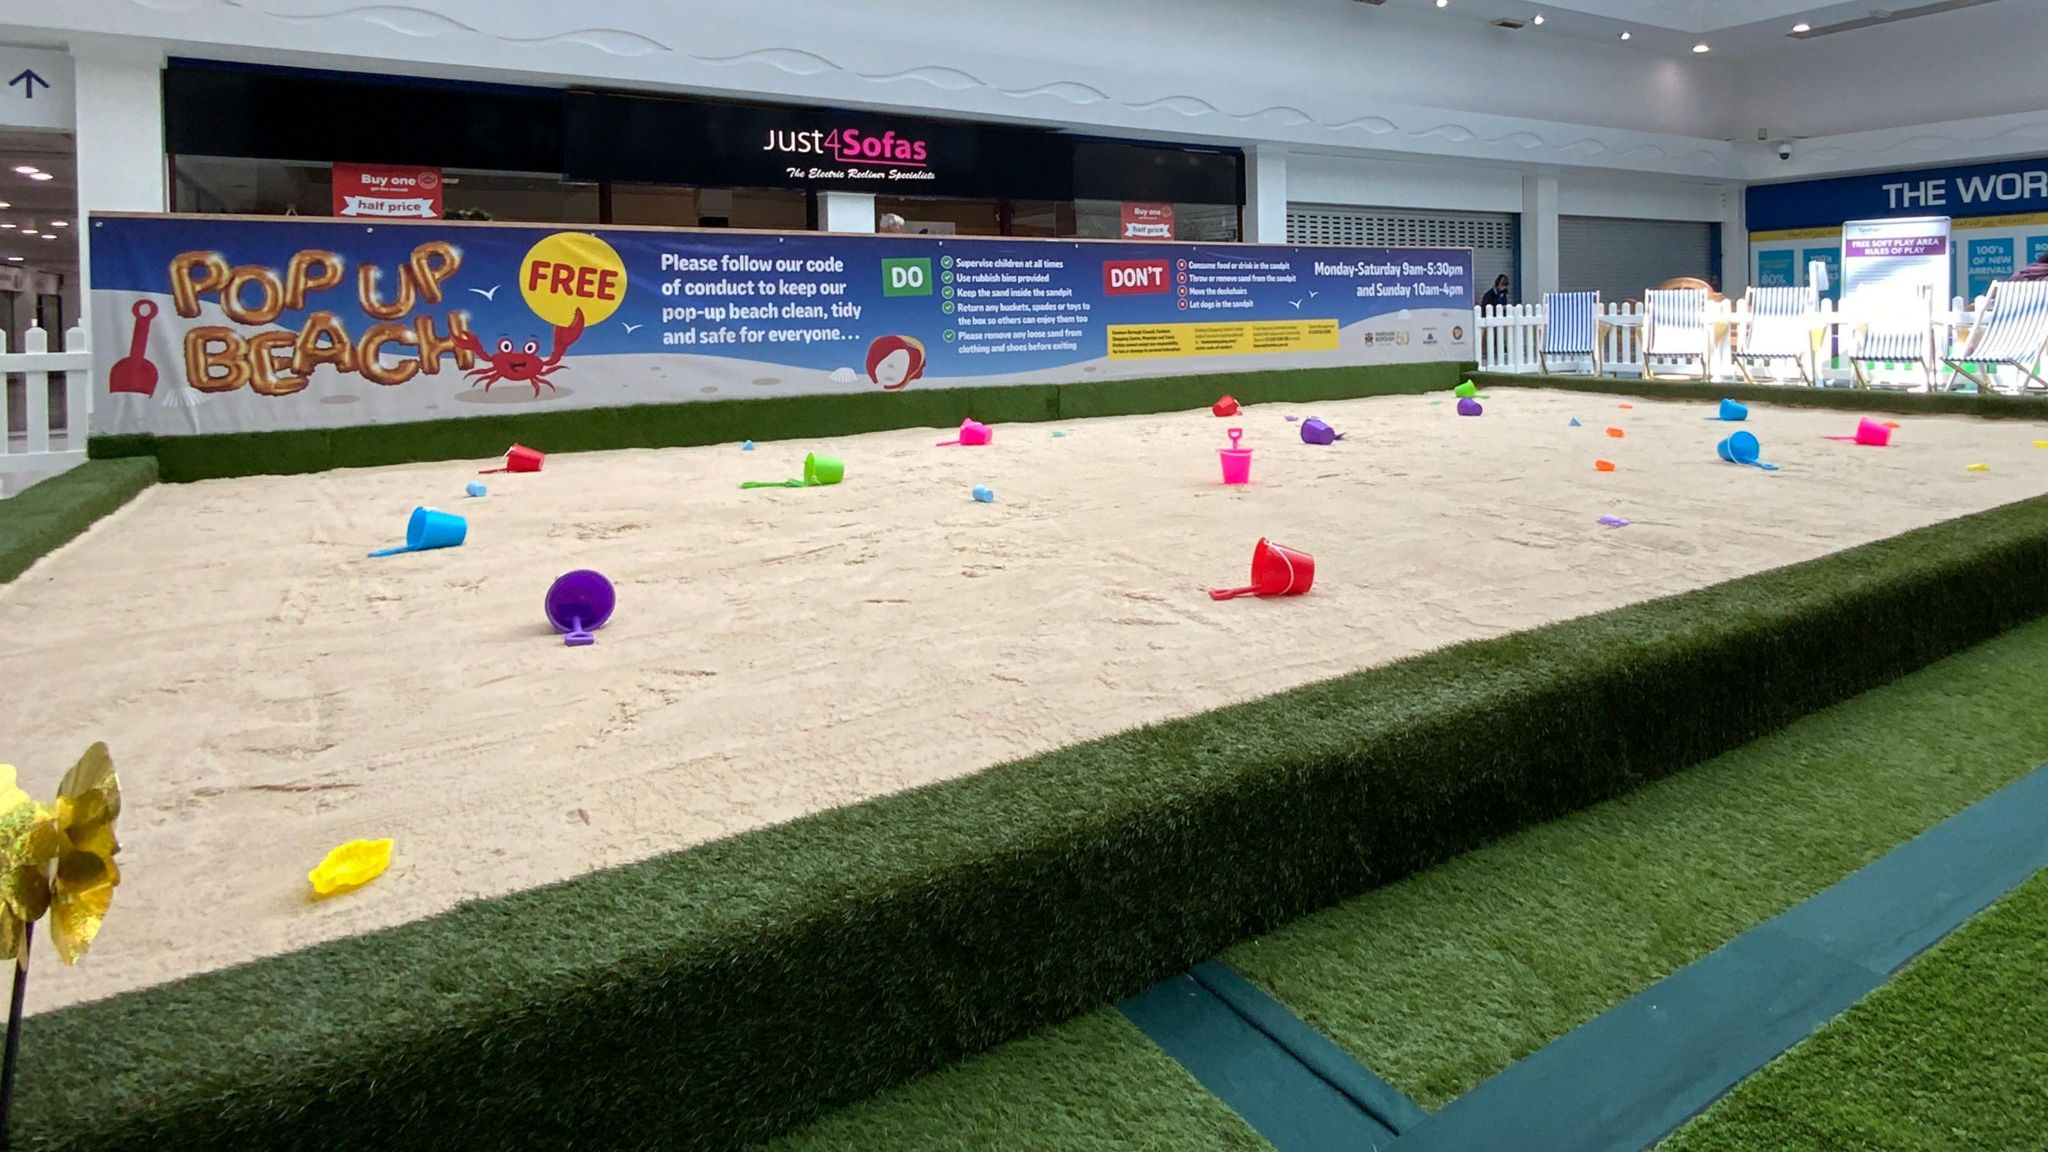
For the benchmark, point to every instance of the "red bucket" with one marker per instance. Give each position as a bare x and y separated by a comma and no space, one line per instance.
1225,407
519,458
1276,571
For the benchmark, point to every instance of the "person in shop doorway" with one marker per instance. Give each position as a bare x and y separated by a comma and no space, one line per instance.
1498,296
890,222
2038,270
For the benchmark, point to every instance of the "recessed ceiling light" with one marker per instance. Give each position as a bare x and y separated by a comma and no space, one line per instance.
1802,27
1701,48
6,225
27,169
41,176
1539,18
47,236
14,259
60,223
5,204
1626,35
1443,3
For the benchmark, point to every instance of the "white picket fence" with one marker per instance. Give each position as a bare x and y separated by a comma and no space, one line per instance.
1509,337
51,438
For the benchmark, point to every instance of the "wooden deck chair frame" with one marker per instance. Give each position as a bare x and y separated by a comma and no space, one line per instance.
1809,304
1543,353
1925,356
2028,363
1704,356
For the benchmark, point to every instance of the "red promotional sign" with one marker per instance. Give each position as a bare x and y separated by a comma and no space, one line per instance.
1148,221
381,190
1133,277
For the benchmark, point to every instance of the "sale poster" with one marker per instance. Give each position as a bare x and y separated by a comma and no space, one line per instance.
259,325
1147,221
383,190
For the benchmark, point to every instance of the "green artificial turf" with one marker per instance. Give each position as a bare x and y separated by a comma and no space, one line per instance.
213,455
49,514
736,990
1952,1054
1445,978
1991,406
1095,1084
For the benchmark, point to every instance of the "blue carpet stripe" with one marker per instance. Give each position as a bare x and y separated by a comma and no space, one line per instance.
1284,1098
1628,1078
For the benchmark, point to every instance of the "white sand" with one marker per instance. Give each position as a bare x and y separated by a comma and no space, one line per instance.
269,692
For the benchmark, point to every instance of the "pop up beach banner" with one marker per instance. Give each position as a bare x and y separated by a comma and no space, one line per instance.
222,324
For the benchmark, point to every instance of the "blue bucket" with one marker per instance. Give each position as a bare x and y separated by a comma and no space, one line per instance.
1733,412
430,528
1742,448
475,488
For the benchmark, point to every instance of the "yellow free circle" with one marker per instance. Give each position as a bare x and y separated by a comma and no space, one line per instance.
569,271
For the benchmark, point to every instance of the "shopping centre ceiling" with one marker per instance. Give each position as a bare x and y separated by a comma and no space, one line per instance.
1739,27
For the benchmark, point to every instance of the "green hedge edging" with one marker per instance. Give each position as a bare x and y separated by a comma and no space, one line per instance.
215,455
49,514
735,990
1991,406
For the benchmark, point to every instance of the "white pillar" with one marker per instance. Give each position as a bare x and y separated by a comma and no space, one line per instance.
120,142
1265,194
846,211
1734,243
1539,235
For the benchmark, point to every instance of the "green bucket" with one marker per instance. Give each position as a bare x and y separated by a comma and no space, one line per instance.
818,470
1465,391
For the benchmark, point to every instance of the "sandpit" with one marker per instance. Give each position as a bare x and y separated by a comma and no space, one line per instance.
269,691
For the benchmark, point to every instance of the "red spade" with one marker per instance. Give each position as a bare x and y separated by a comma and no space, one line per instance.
134,372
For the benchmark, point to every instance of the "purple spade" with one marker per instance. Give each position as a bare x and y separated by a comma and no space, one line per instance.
579,603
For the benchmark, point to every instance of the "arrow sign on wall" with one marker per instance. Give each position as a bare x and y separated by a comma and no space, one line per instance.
28,80
39,93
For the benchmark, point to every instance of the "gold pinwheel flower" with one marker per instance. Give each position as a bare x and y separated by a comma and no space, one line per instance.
77,834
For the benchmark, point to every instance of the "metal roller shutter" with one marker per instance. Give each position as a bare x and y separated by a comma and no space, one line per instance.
1490,235
1620,258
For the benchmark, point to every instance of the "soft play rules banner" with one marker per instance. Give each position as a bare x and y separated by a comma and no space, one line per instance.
215,324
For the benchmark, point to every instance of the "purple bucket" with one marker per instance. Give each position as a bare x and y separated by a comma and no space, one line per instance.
1467,406
578,603
1314,431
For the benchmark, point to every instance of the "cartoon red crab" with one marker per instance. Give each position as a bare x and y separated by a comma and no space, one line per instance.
521,361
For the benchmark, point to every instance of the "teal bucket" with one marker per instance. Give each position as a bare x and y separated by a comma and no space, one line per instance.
1743,448
428,529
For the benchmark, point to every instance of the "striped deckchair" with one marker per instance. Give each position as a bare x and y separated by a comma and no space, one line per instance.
1781,325
1571,328
1897,328
2012,333
1677,327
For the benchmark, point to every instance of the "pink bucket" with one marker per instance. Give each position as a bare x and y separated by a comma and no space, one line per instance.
973,434
1237,461
1869,433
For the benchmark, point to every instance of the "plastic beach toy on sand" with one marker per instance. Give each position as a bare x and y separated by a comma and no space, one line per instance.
1237,460
1467,406
1603,465
1224,407
973,434
1616,433
475,488
1465,391
578,603
983,494
428,529
1574,423
1314,431
1276,571
1731,412
1614,522
746,445
1742,448
1869,433
349,867
519,458
818,471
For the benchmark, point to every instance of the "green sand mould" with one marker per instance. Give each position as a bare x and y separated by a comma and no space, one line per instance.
736,990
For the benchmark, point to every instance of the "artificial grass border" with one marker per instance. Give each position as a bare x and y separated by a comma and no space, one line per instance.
1995,406
214,455
735,990
49,514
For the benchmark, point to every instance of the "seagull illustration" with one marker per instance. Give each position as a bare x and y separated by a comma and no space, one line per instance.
1311,295
630,327
1296,303
490,293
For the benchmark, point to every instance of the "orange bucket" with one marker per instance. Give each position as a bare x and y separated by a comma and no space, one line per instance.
1276,571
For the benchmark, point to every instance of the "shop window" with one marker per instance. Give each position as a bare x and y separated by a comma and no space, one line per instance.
245,187
677,206
515,197
1041,218
934,216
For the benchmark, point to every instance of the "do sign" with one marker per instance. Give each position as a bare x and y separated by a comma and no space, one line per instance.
571,272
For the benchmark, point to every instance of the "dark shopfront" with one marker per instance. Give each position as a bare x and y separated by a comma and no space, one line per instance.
264,141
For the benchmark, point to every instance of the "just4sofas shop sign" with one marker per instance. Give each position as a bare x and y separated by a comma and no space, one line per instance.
227,325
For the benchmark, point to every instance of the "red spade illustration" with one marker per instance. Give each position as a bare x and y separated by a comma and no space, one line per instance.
134,372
